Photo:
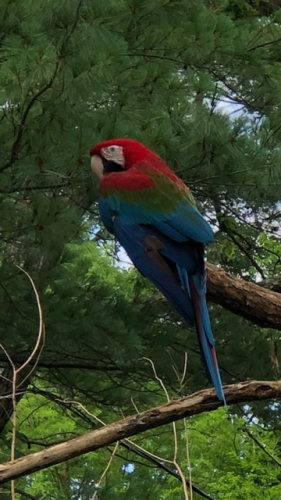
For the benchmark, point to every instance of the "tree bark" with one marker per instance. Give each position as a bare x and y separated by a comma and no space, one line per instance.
249,300
198,402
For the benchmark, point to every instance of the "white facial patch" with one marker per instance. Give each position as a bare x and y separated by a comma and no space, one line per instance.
114,153
97,166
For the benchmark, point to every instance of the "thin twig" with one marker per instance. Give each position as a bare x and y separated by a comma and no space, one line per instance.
105,470
188,458
261,446
16,371
157,378
184,370
174,431
134,405
41,324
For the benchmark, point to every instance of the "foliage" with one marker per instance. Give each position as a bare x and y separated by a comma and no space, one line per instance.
199,83
225,462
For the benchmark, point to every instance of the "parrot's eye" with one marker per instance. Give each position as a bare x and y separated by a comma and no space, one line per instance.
114,154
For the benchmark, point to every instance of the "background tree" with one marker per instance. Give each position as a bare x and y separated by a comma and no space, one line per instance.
199,83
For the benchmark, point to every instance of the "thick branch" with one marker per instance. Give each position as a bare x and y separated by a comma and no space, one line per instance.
273,284
251,301
199,402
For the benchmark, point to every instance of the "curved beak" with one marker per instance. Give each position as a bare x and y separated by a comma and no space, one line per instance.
97,166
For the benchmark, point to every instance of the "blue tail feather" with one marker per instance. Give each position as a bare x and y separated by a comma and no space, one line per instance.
206,339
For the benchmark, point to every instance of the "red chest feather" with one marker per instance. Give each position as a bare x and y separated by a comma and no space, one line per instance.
130,180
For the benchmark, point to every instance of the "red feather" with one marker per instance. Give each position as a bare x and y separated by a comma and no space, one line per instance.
128,181
137,155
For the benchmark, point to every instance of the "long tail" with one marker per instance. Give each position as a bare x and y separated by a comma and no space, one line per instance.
205,337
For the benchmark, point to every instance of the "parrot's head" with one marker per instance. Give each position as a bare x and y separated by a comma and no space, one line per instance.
117,155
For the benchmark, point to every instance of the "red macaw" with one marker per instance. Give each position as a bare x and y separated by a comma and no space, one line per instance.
154,217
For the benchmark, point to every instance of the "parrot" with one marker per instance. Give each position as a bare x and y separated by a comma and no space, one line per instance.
153,215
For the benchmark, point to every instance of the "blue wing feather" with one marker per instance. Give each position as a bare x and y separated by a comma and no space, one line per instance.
133,240
186,223
182,224
107,214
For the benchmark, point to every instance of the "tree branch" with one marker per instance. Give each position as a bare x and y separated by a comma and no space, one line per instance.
21,492
17,143
198,402
126,443
249,300
261,446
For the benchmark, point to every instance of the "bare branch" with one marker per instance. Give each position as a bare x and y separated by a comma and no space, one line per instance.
199,402
105,470
16,372
41,333
175,462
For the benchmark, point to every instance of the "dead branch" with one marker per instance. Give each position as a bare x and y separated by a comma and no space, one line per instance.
199,402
